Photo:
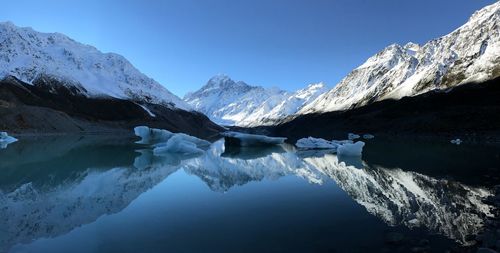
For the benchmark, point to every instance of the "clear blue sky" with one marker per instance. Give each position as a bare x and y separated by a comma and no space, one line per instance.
283,43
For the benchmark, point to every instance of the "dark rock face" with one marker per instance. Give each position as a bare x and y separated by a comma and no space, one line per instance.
48,107
470,109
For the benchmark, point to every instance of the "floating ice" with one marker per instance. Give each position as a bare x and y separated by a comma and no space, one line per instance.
368,136
181,143
315,143
166,142
342,142
352,136
456,141
343,147
5,139
245,140
152,135
351,149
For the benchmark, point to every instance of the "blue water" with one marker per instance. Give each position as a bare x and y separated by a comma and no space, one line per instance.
107,194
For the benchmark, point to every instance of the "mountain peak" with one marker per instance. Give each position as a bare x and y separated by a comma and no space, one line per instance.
223,82
492,9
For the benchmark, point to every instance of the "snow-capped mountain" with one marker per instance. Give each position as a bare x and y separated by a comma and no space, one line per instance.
229,102
291,105
236,103
30,55
471,53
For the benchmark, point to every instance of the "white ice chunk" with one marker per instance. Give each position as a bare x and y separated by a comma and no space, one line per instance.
254,139
181,143
5,139
315,143
165,142
368,136
152,135
456,141
352,136
342,142
351,149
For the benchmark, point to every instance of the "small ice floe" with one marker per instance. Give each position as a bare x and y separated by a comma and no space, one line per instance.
151,135
368,136
342,142
165,142
316,143
181,143
352,136
248,140
351,149
456,141
343,147
5,139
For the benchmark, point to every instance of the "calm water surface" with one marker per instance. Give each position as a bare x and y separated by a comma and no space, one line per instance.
107,194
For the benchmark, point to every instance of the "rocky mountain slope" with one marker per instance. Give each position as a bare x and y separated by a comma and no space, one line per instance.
469,111
471,53
31,108
52,84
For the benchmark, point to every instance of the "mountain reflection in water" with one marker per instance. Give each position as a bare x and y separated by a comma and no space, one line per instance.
51,186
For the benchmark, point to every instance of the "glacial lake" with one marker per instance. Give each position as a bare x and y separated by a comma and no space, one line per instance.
108,194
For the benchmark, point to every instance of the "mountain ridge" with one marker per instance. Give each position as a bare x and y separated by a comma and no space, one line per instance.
236,103
470,53
30,55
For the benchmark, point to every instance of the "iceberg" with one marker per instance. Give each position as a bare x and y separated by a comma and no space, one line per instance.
152,135
316,143
368,136
166,142
343,147
5,139
352,136
181,143
248,140
351,149
342,142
